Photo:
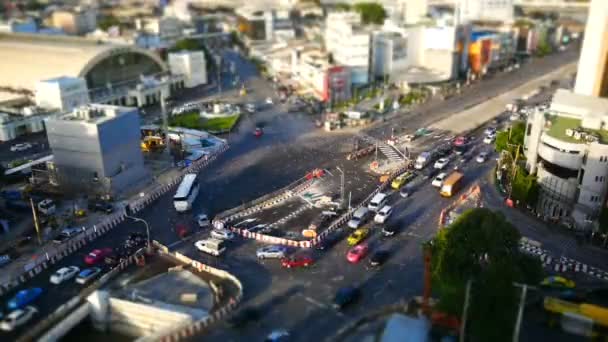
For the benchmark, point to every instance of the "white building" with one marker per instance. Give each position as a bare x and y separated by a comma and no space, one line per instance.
349,43
190,64
18,116
406,12
265,25
62,93
484,10
567,148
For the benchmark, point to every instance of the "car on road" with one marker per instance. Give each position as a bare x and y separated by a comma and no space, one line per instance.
379,257
222,234
406,191
389,230
47,207
482,157
66,234
250,108
355,254
272,252
18,318
357,236
402,179
269,101
345,296
489,139
377,202
101,206
490,131
441,163
359,217
277,336
24,297
297,261
21,147
438,181
97,255
202,220
64,273
429,173
383,214
328,241
212,246
88,274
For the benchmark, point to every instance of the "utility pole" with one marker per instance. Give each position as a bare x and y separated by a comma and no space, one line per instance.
467,299
36,224
341,186
520,311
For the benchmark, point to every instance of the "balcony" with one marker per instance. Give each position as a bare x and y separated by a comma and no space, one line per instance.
564,159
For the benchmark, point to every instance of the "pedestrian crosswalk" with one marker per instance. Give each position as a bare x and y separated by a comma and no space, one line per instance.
387,150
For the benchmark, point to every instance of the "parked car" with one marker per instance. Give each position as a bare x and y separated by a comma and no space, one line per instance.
345,296
441,163
64,273
88,274
383,214
101,206
438,181
379,257
482,157
357,236
297,261
355,254
24,297
18,318
222,234
97,255
272,251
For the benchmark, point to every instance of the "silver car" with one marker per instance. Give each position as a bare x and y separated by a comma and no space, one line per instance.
222,234
275,252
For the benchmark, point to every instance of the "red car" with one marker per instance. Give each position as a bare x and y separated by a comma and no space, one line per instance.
182,230
258,132
97,255
357,253
297,261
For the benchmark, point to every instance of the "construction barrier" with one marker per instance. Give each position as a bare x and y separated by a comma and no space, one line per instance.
187,330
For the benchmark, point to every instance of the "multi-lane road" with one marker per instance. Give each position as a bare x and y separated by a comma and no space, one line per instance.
290,147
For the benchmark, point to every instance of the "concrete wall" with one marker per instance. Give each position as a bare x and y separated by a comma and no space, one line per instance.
135,319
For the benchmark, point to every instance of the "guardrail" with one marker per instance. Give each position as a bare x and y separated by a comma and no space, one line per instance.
67,307
91,233
192,328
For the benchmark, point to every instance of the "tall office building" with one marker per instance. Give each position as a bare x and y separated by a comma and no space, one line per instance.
592,75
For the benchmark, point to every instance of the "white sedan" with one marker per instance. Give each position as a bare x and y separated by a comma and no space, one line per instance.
488,139
21,147
18,318
438,181
441,163
482,157
383,214
63,274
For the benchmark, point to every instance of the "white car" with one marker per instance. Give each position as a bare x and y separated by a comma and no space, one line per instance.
438,181
488,139
441,163
275,252
482,157
18,318
63,274
490,130
222,234
87,275
269,101
383,214
21,147
202,220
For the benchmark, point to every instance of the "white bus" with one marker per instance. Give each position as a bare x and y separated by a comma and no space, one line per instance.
186,193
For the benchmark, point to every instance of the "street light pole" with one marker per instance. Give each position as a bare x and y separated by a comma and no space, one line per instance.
137,219
341,186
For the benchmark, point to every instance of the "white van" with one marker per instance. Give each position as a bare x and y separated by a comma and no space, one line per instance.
377,202
211,246
358,218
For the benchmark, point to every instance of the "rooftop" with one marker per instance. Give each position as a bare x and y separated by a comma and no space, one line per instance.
561,126
94,113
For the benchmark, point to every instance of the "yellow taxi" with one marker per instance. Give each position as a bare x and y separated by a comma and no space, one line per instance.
357,236
401,180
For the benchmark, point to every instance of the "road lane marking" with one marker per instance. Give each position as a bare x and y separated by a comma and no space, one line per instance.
314,302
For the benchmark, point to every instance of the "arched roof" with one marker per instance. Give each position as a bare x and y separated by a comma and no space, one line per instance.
28,58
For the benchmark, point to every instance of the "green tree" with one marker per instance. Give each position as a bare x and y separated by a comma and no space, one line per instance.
108,21
481,246
371,12
525,187
509,140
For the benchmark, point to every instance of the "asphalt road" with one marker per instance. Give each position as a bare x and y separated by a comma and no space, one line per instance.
290,147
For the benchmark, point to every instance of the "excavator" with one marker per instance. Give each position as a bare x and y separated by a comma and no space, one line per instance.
152,143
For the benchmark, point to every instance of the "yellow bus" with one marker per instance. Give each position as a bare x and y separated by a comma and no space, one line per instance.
452,184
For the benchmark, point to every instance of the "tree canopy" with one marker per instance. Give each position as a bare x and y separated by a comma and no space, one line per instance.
481,246
371,12
509,140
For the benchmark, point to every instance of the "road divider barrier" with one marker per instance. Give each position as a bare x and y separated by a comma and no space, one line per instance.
187,330
96,230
